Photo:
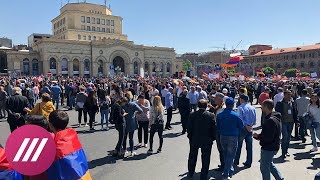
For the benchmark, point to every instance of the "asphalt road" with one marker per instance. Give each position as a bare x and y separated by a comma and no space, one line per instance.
171,163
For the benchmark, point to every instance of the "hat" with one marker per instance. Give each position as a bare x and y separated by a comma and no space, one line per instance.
244,97
218,95
224,91
199,87
229,101
89,89
16,90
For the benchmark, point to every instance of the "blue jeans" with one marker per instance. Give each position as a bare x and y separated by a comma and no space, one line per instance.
247,136
315,132
56,102
194,107
72,101
104,116
267,166
287,128
229,146
130,140
175,102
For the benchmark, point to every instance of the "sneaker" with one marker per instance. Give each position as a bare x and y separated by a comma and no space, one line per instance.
150,151
287,154
139,144
145,145
78,125
133,153
86,125
107,128
159,151
92,129
314,149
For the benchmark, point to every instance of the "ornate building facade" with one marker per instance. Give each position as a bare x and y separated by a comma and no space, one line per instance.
304,58
98,49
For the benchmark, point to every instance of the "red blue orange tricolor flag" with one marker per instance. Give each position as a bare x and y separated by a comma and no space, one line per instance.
71,161
6,172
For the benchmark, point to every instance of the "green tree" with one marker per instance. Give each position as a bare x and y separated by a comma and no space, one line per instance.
187,65
290,72
305,74
268,71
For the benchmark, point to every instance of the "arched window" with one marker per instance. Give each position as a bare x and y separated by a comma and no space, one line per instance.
89,38
76,67
286,65
135,68
35,67
168,67
294,65
53,65
26,67
100,67
302,64
64,66
279,66
146,66
79,37
94,38
154,67
161,67
311,64
87,67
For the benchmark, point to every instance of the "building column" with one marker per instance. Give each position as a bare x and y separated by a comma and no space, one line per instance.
45,67
94,69
128,69
107,70
81,68
58,67
70,68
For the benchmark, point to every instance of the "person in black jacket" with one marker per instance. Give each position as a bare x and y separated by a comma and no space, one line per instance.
184,109
118,117
269,140
201,133
289,115
14,106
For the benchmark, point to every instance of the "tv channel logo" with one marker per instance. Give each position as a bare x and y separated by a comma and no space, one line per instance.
30,150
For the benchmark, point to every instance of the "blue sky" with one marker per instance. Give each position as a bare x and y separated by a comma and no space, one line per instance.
187,26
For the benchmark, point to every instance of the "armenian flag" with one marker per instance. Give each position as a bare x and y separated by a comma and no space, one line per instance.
6,172
259,72
71,161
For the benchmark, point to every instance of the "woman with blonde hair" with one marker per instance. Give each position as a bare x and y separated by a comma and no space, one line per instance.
44,108
156,122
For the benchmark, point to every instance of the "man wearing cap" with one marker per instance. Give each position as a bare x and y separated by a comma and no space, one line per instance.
247,114
288,110
14,106
229,126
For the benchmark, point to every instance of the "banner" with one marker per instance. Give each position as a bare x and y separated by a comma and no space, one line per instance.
314,75
241,77
232,78
142,72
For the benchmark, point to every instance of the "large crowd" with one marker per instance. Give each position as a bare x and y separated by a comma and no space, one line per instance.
210,110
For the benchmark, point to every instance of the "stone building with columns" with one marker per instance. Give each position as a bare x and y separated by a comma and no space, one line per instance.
99,49
304,58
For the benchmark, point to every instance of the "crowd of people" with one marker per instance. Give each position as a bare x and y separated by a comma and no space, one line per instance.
220,111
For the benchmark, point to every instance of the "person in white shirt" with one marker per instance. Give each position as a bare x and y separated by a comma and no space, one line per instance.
153,92
278,97
314,109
